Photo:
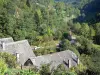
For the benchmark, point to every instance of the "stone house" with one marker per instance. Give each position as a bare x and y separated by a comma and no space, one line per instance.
25,56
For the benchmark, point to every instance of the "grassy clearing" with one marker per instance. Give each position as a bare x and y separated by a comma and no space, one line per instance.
46,48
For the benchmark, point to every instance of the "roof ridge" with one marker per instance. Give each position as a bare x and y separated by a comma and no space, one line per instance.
6,38
56,53
16,42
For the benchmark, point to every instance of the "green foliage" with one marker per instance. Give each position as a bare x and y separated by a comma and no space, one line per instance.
27,72
60,70
10,60
85,30
97,39
3,67
44,51
95,63
41,21
92,62
86,45
92,32
45,70
77,27
21,72
80,69
27,19
4,2
64,45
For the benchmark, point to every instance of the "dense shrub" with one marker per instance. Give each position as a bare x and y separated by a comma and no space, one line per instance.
9,59
3,67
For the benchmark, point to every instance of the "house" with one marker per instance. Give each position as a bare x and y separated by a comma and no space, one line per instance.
21,49
67,58
25,56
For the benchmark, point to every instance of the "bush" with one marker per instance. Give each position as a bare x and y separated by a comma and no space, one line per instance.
61,70
27,72
3,67
45,69
21,72
10,60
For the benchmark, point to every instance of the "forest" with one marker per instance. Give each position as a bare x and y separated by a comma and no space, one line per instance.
46,23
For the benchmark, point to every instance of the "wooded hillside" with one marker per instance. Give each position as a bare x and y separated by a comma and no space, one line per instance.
55,25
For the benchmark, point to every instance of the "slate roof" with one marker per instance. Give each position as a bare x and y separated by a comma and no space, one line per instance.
25,52
22,48
6,40
56,59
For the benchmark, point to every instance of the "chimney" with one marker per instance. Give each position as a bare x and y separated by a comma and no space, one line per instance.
78,61
3,45
17,57
69,63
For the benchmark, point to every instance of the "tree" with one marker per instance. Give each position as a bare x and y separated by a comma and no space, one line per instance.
3,22
86,45
3,2
10,26
28,3
38,17
97,38
92,32
64,45
85,30
95,63
57,35
92,62
77,28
